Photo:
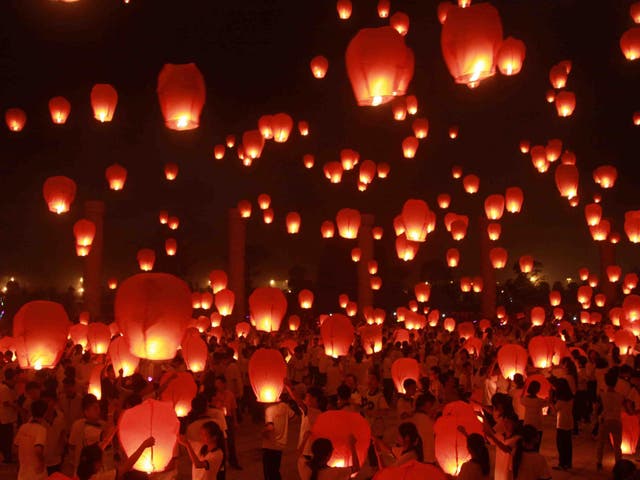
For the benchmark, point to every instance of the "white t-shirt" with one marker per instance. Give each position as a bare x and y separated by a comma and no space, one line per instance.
214,463
29,436
324,474
55,440
306,423
533,410
424,425
279,415
82,434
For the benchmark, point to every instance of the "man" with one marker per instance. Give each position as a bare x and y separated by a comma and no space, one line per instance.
227,400
70,402
274,438
405,401
8,414
55,423
423,420
88,430
30,441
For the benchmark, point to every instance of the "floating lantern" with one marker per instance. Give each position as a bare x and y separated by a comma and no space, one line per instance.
59,108
59,193
267,372
181,93
104,99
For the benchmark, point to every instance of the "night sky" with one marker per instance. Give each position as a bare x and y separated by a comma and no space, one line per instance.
254,55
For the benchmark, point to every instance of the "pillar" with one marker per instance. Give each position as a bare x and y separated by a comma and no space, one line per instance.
488,296
92,268
236,264
365,244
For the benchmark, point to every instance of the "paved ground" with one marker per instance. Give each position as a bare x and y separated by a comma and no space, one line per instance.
250,455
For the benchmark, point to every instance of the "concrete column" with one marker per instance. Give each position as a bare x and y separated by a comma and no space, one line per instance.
365,244
488,298
92,274
236,263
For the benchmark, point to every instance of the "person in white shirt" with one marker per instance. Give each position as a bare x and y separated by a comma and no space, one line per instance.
31,439
209,462
55,424
274,438
317,468
91,466
423,420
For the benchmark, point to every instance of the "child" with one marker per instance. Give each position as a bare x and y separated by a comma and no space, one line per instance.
528,464
209,462
505,443
479,467
316,467
533,409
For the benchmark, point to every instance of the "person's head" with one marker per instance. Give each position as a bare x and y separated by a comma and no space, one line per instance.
90,461
39,408
434,373
374,381
611,377
69,386
478,451
410,386
563,390
510,422
198,405
314,398
32,390
9,376
409,438
350,381
211,434
534,388
518,380
220,383
344,393
91,407
51,397
624,470
425,402
321,450
530,437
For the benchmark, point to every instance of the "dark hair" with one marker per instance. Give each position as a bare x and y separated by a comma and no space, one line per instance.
518,379
88,400
478,451
563,390
409,382
623,470
423,399
32,386
321,450
9,374
198,407
39,408
344,392
533,388
89,456
318,394
214,431
611,377
529,435
409,429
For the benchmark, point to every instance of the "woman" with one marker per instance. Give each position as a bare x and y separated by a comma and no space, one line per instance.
479,467
528,464
209,462
316,468
563,407
505,443
91,467
409,446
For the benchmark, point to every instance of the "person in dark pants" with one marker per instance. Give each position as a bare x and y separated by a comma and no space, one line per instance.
274,438
563,406
8,414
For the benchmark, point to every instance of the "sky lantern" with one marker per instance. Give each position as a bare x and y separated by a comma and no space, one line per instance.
625,340
264,201
412,104
636,118
632,225
338,426
420,127
371,338
112,283
98,337
319,66
512,359
230,140
84,230
569,158
453,257
600,300
614,272
351,309
293,222
181,93
383,8
634,11
349,158
104,99
555,298
453,133
356,254
59,108
121,358
171,246
565,103
327,229
267,372
116,176
470,40
553,149
218,280
526,263
466,330
494,206
525,145
265,125
567,177
514,198
499,257
219,151
225,300
282,125
78,334
383,169
344,8
605,176
601,231
494,230
15,118
153,309
403,369
558,76
630,43
511,56
333,171
615,316
410,147
243,329
399,108
541,349
171,171
294,323
539,158
372,267
537,316
305,299
367,171
593,214
377,233
433,317
406,249
163,217
630,308
422,291
308,160
348,222
584,293
303,128
471,183
337,334
206,300
216,319
253,143
343,299
444,200
400,22
194,351
630,280
630,430
379,65
459,228
146,258
456,172
150,418
268,306
417,219
179,391
40,331
449,324
375,282
443,10
59,193
244,208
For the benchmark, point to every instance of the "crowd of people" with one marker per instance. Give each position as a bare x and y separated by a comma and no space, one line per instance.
50,424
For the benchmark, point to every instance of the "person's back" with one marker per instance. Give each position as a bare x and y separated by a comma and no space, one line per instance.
278,415
533,466
31,439
472,470
325,473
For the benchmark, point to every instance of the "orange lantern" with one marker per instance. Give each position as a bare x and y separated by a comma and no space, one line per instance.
327,229
84,231
625,340
153,309
267,306
403,369
422,292
494,207
377,232
146,258
104,99
526,263
40,331
367,172
593,214
512,359
537,316
542,350
218,152
305,299
417,219
267,372
98,338
282,125
412,104
372,267
218,280
179,392
399,108
170,247
614,272
253,143
333,171
601,231
444,200
344,8
59,193
194,351
319,66
78,334
244,208
225,300
265,125
349,158
630,308
267,216
379,65
410,147
565,103
294,323
499,257
525,145
632,225
293,222
171,171
471,183
558,76
371,338
121,358
337,334
511,56
383,170
338,426
150,418
470,40
348,222
567,177
605,176
406,249
375,283
555,298
15,118
494,230
453,257
400,23
116,175
59,108
181,93
420,127
630,43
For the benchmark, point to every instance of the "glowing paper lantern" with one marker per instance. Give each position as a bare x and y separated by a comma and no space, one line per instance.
170,246
78,334
471,183
379,65
371,338
15,118
630,43
418,220
59,193
122,358
537,316
630,308
104,99
605,176
179,391
406,249
526,263
420,128
337,334
512,359
181,93
150,418
498,257
293,222
59,108
403,369
40,331
268,306
511,56
494,230
444,200
171,171
305,299
327,229
153,309
338,426
494,207
218,280
567,178
146,259
319,66
542,350
194,351
630,433
632,225
348,222
422,292
267,372
344,8
565,103
244,208
95,381
451,445
593,214
85,231
400,22
116,176
625,340
410,147
282,124
453,257
98,337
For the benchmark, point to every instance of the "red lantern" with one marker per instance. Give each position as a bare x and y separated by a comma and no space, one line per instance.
632,225
305,299
282,125
15,118
59,193
253,143
512,359
121,357
593,214
225,300
348,222
403,369
194,351
338,426
605,176
319,66
526,263
511,56
179,391
400,22
377,232
499,257
444,200
337,335
422,291
417,219
494,207
451,445
420,127
494,230
146,258
542,350
104,99
181,92
471,183
59,108
267,306
344,8
630,43
170,171
218,280
383,8
565,103
116,175
537,316
218,152
327,229
84,231
406,249
293,222
98,337
453,257
410,147
267,372
244,208
333,171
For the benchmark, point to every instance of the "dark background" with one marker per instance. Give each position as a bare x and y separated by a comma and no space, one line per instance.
254,55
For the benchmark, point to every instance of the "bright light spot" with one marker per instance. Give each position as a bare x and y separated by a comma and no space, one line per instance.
182,121
377,100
